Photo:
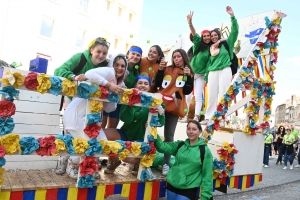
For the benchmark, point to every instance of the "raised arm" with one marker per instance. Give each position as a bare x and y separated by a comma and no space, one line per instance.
234,32
189,18
66,69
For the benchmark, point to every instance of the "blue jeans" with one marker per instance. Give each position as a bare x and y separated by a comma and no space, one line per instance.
279,159
288,157
174,196
266,154
298,156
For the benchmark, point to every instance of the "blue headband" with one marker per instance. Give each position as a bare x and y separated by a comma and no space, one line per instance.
143,77
136,49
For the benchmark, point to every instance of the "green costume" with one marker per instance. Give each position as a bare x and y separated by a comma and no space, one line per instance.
199,62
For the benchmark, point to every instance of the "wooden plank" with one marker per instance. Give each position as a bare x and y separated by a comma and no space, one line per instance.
36,129
36,179
37,107
25,180
27,95
49,182
14,181
62,181
6,184
238,105
32,118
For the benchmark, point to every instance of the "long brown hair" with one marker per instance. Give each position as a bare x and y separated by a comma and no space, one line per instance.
186,61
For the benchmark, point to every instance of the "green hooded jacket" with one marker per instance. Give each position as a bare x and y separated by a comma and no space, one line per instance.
186,172
199,61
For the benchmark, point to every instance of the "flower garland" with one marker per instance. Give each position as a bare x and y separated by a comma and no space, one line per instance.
245,80
223,167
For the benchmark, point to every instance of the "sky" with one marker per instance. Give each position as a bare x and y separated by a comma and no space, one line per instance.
164,20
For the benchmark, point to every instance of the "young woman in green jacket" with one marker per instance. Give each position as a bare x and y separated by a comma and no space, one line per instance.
218,72
188,172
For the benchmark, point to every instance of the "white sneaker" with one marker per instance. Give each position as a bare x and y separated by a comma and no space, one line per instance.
284,167
204,122
183,120
291,167
297,166
165,169
72,171
265,166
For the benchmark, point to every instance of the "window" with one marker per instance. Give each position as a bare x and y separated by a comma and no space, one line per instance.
108,5
120,11
47,27
130,17
83,5
116,43
80,37
126,47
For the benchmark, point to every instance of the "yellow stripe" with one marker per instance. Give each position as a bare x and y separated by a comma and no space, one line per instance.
5,195
218,183
205,98
148,191
231,184
244,183
256,179
40,194
100,192
125,190
72,193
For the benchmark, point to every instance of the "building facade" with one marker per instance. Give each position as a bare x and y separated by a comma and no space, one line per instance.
57,29
288,112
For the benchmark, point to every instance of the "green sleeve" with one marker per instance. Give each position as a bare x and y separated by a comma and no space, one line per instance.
66,69
207,175
166,147
196,41
233,35
162,118
127,113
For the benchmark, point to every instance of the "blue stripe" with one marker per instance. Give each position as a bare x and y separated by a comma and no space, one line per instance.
140,190
91,195
227,180
62,193
214,185
198,192
162,189
29,195
118,189
240,182
261,65
252,180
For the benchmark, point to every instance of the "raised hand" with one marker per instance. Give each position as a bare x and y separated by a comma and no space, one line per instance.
229,11
189,17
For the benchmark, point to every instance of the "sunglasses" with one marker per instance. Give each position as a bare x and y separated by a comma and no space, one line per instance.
103,41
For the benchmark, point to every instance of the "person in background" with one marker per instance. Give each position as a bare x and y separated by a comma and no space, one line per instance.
268,143
134,55
288,149
75,68
295,133
198,63
279,135
174,82
188,171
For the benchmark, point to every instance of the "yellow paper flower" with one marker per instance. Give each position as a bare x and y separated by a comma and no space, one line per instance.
123,154
15,79
247,129
69,88
273,68
230,90
274,50
44,83
255,118
60,146
269,101
266,117
259,101
153,132
124,97
106,148
222,100
276,21
11,143
250,109
114,146
97,93
80,145
254,93
136,148
95,106
273,85
216,173
244,74
156,102
147,160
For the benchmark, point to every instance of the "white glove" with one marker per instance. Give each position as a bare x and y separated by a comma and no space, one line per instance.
160,110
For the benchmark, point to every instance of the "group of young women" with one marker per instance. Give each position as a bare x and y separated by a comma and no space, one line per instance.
174,82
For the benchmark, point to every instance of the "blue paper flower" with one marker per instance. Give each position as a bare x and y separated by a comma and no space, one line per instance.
10,93
154,121
150,138
122,143
218,114
146,100
144,175
268,22
256,84
87,181
84,90
145,148
267,44
275,44
56,85
256,52
227,97
259,93
210,127
93,118
252,123
2,162
28,145
112,97
7,125
95,147
68,142
268,112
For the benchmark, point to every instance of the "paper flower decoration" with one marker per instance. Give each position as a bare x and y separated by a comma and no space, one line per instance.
11,143
29,145
88,166
92,130
87,181
56,85
7,108
47,146
31,82
44,83
69,88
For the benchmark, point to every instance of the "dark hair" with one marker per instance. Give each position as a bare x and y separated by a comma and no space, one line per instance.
120,79
278,130
160,53
217,30
202,46
186,61
135,71
197,124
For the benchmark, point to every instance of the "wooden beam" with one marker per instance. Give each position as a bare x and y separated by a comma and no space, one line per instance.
238,105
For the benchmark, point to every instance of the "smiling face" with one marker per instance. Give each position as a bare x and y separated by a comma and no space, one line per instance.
143,85
214,36
206,38
119,66
192,131
153,55
178,60
99,54
134,58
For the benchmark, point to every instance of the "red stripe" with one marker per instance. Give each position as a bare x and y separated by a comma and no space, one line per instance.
51,194
16,195
155,190
236,182
82,193
260,177
248,183
109,190
133,191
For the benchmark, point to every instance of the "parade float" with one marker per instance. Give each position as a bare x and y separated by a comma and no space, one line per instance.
29,121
